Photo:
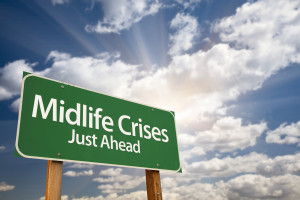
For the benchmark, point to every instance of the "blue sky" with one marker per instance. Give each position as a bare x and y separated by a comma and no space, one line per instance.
229,70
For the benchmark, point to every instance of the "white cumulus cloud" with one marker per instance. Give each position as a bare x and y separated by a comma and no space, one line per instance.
11,78
115,181
227,166
186,29
285,134
63,197
245,187
118,187
77,165
228,134
189,3
288,164
122,14
251,163
80,173
250,187
5,187
136,195
60,2
111,172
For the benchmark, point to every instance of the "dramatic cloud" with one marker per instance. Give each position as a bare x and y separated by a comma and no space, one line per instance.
285,134
15,105
118,187
186,29
121,14
111,172
246,187
250,187
78,165
5,187
11,78
112,179
82,71
137,195
252,163
227,166
63,197
81,173
288,164
276,24
54,2
228,134
117,182
189,3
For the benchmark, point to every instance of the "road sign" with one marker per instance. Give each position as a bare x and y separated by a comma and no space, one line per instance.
59,121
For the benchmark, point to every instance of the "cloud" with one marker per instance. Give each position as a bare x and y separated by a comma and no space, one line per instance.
81,173
5,187
259,187
277,25
285,134
136,195
118,187
63,197
111,172
2,148
111,179
82,71
77,165
228,134
60,2
116,182
122,14
188,3
186,29
11,78
288,164
246,187
227,166
251,163
93,73
193,152
15,105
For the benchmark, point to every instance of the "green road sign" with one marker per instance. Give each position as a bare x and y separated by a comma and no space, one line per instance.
59,121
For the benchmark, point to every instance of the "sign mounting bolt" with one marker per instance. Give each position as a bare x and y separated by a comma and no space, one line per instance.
157,165
62,86
59,154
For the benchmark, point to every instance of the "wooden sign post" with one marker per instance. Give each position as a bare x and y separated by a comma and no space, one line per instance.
53,185
153,185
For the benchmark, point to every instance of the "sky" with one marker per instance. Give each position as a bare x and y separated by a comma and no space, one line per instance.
229,69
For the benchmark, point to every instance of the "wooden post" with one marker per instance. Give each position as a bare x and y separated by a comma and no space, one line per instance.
153,185
53,185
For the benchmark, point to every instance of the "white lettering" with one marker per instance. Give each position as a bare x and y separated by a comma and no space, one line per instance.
52,104
120,124
77,114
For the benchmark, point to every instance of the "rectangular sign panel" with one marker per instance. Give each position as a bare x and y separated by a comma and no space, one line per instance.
58,121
